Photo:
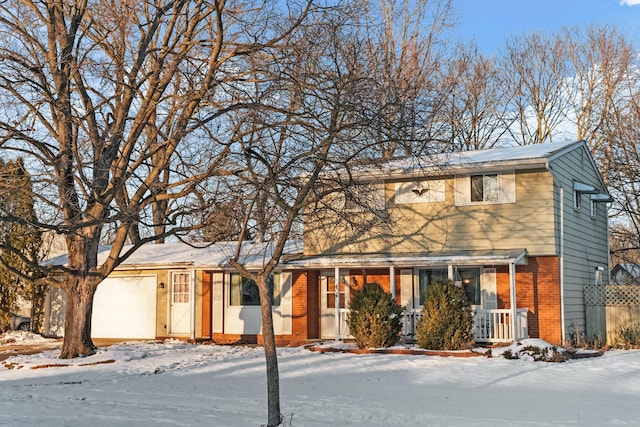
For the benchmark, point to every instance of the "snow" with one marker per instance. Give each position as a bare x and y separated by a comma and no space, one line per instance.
176,383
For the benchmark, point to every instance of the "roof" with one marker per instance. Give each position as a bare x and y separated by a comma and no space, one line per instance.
512,158
487,257
253,255
201,255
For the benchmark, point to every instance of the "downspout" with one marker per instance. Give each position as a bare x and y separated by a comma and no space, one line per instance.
512,292
392,281
512,289
562,320
192,322
336,283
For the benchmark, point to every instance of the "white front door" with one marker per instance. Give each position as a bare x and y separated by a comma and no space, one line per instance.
180,303
328,301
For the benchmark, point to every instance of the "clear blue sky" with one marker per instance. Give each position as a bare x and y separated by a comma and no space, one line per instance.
490,22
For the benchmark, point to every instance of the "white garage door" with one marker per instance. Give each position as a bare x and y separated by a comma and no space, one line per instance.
125,307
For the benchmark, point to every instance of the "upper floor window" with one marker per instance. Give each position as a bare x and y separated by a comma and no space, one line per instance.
488,188
484,188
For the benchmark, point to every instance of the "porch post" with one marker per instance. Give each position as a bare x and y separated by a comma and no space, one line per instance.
512,294
192,307
392,281
336,282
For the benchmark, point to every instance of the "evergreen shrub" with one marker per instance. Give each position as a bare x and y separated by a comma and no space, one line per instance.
447,320
374,318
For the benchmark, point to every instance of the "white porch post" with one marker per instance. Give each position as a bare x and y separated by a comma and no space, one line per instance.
392,281
336,283
512,294
192,307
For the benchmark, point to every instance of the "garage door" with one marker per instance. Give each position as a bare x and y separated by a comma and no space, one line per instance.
125,307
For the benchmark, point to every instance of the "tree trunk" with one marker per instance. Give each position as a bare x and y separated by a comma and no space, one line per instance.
77,318
269,340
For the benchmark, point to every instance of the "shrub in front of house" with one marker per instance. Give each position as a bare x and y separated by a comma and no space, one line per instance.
629,336
375,317
447,320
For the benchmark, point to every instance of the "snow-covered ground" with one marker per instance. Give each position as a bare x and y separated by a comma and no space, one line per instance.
174,383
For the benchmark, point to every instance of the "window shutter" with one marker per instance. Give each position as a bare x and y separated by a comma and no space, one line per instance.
462,190
507,188
406,288
216,297
285,303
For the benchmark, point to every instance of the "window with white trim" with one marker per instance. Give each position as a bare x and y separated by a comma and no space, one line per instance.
244,292
486,188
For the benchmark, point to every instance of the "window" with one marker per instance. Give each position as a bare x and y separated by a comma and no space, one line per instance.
469,278
180,294
331,292
576,200
490,188
428,276
594,208
484,188
244,292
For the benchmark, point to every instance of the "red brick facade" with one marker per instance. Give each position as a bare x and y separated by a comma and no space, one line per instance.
538,289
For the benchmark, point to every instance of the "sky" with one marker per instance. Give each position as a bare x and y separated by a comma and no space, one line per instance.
149,384
491,22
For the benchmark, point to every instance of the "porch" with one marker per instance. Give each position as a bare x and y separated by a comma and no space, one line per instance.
489,325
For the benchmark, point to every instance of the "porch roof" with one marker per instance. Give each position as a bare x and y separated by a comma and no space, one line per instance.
481,257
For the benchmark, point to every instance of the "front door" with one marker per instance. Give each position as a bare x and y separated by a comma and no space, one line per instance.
328,301
180,303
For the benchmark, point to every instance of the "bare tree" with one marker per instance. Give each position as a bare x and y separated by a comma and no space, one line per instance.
476,106
535,70
106,101
403,45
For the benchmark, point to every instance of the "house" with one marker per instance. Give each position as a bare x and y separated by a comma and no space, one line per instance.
521,229
625,274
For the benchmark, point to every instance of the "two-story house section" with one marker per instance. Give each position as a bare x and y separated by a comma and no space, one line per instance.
521,229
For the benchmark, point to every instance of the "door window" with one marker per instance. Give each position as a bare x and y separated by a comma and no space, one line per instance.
180,288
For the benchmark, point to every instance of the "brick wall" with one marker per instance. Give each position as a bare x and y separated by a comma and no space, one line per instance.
207,280
538,289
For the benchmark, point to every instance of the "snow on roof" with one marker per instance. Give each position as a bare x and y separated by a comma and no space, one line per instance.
462,257
526,156
218,254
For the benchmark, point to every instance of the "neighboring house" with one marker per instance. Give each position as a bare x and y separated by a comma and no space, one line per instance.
625,274
521,229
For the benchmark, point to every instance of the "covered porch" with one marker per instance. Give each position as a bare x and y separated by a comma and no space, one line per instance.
497,319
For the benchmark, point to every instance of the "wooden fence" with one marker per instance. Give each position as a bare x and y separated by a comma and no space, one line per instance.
609,309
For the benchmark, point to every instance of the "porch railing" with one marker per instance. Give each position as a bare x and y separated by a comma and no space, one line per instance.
489,326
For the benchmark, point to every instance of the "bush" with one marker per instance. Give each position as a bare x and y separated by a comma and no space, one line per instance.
447,321
374,319
629,337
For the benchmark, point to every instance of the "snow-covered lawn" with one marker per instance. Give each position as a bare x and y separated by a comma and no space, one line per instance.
174,383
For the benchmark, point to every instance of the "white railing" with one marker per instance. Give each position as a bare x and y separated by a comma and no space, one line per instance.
489,326
495,325
344,326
